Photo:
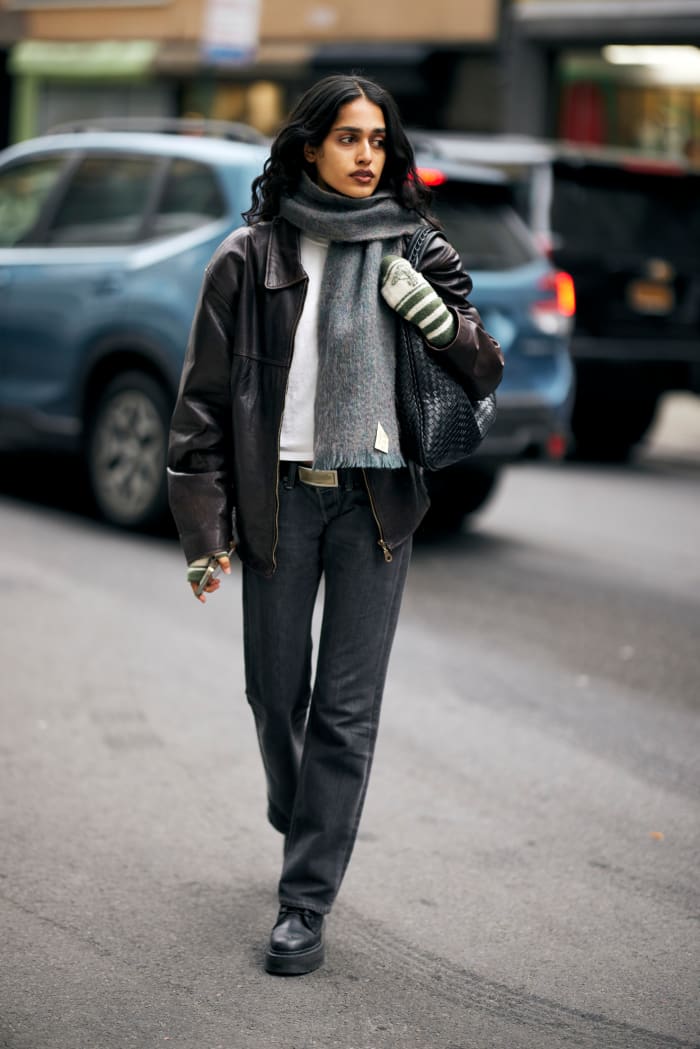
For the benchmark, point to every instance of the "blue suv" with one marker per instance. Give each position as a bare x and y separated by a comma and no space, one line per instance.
104,236
527,305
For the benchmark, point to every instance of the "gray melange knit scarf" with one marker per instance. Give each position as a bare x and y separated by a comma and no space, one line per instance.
355,410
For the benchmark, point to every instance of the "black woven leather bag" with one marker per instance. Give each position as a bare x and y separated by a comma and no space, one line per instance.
439,424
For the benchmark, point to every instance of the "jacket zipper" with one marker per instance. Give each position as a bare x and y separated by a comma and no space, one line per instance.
381,542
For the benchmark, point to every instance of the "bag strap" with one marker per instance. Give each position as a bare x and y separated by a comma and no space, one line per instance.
418,243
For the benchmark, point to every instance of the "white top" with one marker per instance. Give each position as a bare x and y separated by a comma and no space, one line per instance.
297,437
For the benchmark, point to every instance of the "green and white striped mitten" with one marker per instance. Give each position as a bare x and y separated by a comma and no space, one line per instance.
413,298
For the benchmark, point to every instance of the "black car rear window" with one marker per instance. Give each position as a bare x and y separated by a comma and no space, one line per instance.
482,225
626,213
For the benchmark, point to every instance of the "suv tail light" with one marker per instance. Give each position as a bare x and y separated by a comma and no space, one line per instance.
431,176
554,314
557,445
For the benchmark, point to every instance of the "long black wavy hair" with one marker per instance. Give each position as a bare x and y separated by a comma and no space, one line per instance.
310,122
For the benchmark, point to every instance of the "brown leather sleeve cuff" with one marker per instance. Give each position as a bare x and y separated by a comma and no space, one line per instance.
474,357
199,506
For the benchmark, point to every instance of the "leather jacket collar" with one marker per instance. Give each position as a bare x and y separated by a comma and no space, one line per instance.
283,266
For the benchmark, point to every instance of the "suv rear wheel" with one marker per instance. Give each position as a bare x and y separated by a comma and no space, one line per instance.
126,450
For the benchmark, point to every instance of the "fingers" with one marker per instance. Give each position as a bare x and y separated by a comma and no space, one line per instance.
212,586
200,597
198,570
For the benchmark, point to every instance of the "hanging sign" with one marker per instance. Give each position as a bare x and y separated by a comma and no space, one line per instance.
230,30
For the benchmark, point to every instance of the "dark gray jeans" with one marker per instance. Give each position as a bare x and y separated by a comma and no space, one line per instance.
317,746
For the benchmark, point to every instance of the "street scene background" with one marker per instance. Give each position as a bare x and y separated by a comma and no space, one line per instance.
526,870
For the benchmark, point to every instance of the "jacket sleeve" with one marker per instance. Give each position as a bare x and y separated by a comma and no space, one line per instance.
200,447
473,356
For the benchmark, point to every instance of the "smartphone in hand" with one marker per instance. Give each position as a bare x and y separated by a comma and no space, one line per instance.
210,572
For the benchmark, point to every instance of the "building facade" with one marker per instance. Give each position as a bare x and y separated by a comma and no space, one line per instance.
556,68
244,59
607,72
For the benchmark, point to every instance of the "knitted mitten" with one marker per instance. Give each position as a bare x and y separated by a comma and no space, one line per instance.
410,294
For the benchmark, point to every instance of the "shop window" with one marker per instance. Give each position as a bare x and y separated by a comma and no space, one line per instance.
105,201
650,106
191,198
582,116
259,104
24,187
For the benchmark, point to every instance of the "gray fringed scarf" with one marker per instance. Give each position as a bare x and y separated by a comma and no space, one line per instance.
355,410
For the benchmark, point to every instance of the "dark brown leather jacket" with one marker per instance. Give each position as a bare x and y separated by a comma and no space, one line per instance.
224,444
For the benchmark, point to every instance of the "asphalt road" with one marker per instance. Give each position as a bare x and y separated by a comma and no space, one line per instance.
526,873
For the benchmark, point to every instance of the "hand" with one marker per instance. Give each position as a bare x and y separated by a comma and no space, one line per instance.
414,299
197,569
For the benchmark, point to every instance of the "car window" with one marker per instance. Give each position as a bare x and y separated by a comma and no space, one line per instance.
105,201
624,213
24,187
191,197
482,225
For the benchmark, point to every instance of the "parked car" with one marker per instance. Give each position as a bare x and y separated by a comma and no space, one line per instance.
629,232
626,226
528,306
104,236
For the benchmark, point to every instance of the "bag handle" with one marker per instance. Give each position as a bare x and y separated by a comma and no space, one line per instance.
418,243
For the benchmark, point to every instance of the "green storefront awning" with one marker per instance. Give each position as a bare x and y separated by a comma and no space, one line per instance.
112,59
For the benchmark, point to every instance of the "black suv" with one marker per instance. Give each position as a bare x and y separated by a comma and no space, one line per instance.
629,233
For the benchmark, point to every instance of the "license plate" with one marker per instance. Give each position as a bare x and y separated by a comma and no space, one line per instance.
646,296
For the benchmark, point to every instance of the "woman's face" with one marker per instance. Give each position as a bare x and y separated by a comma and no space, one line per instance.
350,160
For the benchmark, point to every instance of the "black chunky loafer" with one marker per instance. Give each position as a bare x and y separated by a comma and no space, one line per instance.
296,943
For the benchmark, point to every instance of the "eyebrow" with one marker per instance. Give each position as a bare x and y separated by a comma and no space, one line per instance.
346,127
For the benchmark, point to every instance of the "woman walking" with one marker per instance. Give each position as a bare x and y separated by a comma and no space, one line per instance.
285,445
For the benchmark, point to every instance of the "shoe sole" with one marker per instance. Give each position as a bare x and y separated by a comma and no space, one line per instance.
283,964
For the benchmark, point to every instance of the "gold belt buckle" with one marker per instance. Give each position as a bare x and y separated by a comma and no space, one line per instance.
319,478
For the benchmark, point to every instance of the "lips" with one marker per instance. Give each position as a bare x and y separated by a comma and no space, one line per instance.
362,176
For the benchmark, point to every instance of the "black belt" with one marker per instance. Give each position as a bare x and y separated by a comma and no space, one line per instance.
347,477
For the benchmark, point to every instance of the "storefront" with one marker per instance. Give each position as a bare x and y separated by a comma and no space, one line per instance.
56,81
439,61
638,96
606,72
248,60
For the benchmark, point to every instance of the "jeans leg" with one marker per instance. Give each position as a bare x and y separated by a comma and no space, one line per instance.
277,614
362,600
